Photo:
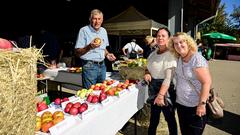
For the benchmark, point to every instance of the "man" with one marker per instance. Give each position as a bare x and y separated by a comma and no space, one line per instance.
133,49
91,47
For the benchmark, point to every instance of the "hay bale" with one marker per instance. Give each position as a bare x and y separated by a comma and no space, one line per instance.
18,88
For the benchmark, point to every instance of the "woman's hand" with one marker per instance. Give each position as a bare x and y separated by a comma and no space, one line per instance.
201,110
159,100
147,78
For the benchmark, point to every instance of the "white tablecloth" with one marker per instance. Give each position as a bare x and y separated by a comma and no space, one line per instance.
109,119
53,72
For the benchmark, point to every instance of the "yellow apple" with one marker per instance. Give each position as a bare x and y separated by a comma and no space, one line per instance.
97,41
58,114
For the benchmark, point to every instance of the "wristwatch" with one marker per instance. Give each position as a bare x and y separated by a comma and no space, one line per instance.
202,103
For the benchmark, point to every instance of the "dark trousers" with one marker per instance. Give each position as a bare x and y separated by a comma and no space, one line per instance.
190,123
169,115
168,111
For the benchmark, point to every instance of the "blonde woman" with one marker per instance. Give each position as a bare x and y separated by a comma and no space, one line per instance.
193,84
150,45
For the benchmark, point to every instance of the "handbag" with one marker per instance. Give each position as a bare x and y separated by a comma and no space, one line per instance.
214,102
216,105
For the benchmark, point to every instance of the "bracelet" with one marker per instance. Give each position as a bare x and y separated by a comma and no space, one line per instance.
161,98
160,94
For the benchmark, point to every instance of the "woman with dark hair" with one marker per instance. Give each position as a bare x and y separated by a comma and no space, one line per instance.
160,67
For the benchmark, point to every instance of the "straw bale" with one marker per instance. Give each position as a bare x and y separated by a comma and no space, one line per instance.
18,88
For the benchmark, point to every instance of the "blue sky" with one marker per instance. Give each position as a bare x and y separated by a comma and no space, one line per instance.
229,5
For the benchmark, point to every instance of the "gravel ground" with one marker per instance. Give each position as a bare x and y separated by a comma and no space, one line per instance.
226,81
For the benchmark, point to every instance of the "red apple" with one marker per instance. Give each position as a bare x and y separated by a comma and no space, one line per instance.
57,101
111,92
85,104
83,108
102,97
67,109
119,85
96,88
95,99
41,106
5,44
69,105
124,86
73,111
102,87
65,99
109,82
89,98
77,104
92,86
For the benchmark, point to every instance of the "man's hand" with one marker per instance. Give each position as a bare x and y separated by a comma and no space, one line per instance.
140,51
111,57
94,44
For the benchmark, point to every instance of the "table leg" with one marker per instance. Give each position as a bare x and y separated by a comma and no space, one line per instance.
61,90
135,124
46,88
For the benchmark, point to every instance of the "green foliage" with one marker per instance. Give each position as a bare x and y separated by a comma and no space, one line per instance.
235,17
221,23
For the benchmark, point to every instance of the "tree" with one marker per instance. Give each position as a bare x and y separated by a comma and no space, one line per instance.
218,24
235,17
224,24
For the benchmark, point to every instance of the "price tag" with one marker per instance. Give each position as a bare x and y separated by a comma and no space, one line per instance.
73,100
131,88
62,126
88,112
122,93
106,101
115,83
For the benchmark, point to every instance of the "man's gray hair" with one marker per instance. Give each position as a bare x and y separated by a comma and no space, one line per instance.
94,12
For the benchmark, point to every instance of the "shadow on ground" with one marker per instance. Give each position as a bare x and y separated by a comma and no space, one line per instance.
229,123
130,130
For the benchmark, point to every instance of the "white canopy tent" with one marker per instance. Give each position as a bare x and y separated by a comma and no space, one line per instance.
131,22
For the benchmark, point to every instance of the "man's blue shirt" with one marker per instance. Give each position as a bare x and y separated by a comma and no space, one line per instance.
88,34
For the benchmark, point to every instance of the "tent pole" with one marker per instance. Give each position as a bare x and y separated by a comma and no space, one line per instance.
151,32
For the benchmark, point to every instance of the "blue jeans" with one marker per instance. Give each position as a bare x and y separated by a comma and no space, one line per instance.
92,73
190,123
168,111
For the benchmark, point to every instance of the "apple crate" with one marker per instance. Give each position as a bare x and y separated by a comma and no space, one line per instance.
18,85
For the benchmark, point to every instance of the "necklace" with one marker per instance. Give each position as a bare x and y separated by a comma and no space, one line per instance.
160,51
186,57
